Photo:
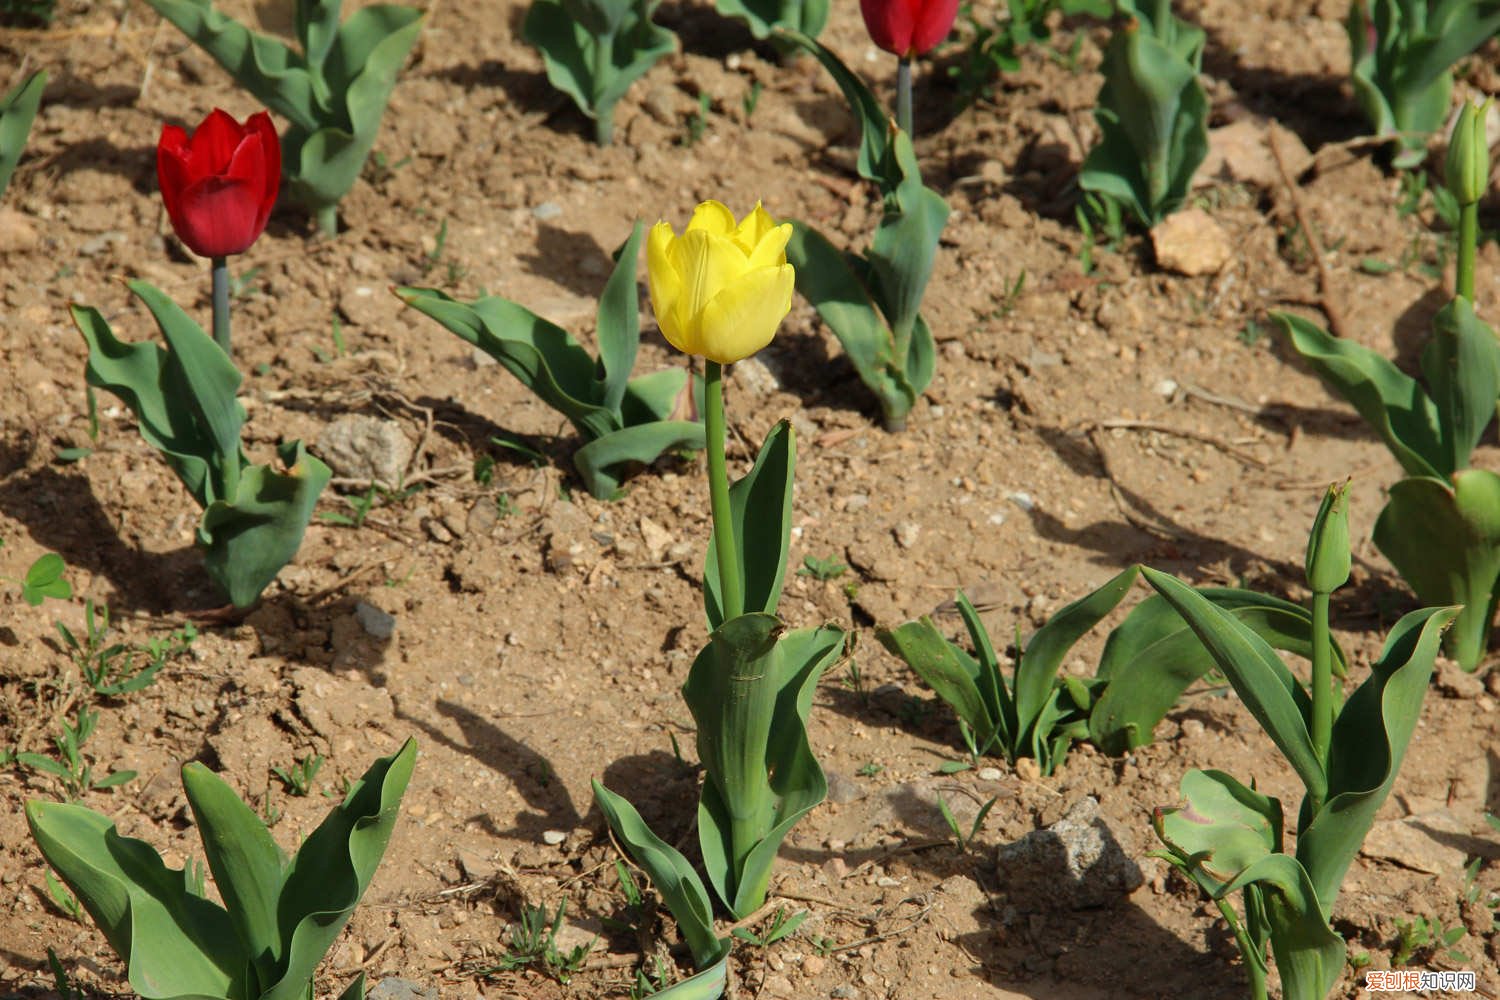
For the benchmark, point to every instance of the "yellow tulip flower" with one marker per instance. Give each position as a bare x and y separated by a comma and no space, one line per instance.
722,288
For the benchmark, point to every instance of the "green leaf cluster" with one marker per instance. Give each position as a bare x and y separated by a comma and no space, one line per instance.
280,915
1227,837
1403,53
872,303
1149,659
1441,526
183,398
17,111
624,421
772,18
595,49
332,89
1152,114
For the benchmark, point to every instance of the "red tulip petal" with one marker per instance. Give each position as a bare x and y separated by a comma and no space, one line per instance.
220,216
934,21
889,23
260,124
171,168
213,144
249,166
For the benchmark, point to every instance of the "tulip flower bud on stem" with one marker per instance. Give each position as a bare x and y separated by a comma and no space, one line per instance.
1327,567
1467,173
903,95
220,271
718,490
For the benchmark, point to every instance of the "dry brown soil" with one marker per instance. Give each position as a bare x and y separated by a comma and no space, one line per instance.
1087,423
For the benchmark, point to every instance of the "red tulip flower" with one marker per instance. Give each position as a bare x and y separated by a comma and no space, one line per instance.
219,185
908,27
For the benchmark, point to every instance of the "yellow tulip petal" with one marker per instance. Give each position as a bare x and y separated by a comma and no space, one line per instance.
707,263
664,282
743,317
753,228
770,249
712,217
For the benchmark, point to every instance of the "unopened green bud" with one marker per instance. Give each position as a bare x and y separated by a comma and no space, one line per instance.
1328,546
1467,169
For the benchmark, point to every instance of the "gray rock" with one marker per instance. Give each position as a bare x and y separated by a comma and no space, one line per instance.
401,989
1079,846
842,789
547,210
357,446
376,623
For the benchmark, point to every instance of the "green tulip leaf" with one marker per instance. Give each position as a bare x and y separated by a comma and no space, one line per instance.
1153,656
750,691
655,396
955,676
543,356
1309,954
331,871
174,944
248,540
875,127
674,878
604,461
1393,404
760,510
246,864
773,18
1222,829
1444,540
17,111
619,323
1368,744
905,244
1461,364
1257,674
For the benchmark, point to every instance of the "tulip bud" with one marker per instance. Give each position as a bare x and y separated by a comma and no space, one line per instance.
219,185
720,289
908,27
1467,169
1328,545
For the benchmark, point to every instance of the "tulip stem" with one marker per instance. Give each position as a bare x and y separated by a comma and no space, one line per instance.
903,95
220,272
1322,685
730,593
1468,238
328,220
604,77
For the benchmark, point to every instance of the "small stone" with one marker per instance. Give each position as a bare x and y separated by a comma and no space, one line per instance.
1241,152
657,539
438,531
377,624
857,502
755,376
547,210
844,992
1192,728
401,989
17,234
906,533
553,837
360,305
842,789
1027,769
357,446
813,965
1422,843
476,867
1454,682
1022,500
1190,242
989,774
95,245
1166,388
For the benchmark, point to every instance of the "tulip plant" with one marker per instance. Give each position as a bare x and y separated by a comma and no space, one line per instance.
333,91
1441,525
623,421
279,916
873,303
595,49
218,187
1148,661
1403,53
906,29
17,111
1228,837
719,291
1152,113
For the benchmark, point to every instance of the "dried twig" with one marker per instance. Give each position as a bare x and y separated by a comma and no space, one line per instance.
1325,278
1182,432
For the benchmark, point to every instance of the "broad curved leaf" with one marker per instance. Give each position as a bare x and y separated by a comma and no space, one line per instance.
17,111
760,510
603,462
